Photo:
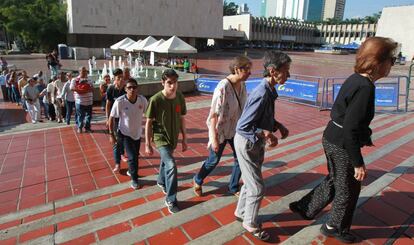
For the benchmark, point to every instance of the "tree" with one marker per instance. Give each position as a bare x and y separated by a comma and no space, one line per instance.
229,8
40,24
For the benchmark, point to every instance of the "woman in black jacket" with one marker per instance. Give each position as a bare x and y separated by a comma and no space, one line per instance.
345,135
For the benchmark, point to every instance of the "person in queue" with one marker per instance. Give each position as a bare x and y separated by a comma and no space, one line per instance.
226,108
346,133
255,128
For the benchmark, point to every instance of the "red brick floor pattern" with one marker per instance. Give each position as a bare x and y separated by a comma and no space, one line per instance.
64,164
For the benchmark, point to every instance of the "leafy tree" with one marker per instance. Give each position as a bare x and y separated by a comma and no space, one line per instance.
229,8
40,24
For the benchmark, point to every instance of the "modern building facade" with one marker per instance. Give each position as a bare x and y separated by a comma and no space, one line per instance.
347,33
100,23
397,23
334,9
308,10
315,10
271,31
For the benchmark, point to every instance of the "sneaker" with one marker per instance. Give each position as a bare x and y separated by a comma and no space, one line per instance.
79,130
172,207
295,209
344,236
198,190
162,188
88,130
134,185
116,169
128,173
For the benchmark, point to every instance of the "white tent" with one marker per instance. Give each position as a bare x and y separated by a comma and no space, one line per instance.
141,45
128,48
121,43
153,47
175,45
127,44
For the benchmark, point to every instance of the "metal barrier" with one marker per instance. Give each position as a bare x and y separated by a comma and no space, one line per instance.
389,92
299,89
408,87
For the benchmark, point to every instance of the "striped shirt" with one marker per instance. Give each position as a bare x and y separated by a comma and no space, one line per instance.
85,99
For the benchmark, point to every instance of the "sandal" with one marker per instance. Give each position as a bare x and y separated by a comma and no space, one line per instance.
260,234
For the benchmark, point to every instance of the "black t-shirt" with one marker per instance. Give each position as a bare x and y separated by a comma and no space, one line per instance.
112,93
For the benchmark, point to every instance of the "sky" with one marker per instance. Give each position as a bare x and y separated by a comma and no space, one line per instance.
353,8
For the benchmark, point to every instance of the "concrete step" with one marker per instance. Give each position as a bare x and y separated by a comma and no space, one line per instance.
104,202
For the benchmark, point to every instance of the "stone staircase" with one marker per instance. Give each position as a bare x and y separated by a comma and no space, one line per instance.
119,215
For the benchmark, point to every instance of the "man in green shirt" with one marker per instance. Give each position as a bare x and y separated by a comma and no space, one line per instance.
165,120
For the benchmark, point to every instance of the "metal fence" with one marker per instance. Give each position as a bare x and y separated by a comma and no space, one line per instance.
390,95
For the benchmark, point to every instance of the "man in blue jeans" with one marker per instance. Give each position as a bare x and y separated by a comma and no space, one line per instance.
165,120
128,109
82,88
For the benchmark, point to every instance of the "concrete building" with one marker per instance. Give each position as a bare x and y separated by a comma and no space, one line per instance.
334,9
293,9
100,23
398,24
270,31
315,10
346,33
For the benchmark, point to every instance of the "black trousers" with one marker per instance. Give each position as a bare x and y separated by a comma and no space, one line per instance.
339,187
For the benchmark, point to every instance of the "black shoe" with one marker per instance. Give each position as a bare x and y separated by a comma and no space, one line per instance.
88,130
172,207
294,208
343,236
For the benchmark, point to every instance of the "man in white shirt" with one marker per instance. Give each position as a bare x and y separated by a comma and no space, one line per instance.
83,91
57,96
129,110
31,96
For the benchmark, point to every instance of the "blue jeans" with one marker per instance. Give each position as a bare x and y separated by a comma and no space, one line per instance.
83,112
132,150
118,147
10,94
16,95
211,162
168,173
69,109
45,107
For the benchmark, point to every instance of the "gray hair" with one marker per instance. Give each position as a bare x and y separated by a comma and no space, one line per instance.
275,59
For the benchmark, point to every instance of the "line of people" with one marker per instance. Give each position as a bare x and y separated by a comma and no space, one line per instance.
247,123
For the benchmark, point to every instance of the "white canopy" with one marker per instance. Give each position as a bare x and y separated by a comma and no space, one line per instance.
128,47
141,45
122,42
175,45
153,47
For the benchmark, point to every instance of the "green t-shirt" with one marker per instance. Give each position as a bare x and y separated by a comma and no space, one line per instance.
167,118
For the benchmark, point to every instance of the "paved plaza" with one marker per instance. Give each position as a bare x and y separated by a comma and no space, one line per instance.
57,187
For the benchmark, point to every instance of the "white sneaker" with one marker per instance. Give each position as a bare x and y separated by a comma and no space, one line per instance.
128,173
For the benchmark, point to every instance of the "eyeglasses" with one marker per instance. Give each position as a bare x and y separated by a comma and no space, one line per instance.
393,59
132,87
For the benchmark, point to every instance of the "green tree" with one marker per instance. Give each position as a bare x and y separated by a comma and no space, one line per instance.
40,24
229,8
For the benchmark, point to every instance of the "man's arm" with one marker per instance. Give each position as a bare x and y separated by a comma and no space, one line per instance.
184,133
111,133
148,137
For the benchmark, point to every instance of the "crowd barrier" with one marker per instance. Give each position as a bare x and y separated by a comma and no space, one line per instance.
390,93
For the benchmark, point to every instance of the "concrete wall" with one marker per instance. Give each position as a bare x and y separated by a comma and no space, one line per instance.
347,33
398,23
238,22
184,18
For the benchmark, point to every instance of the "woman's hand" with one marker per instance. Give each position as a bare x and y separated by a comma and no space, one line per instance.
360,173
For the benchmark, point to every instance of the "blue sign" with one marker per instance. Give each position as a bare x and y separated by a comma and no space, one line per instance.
304,90
206,85
386,94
